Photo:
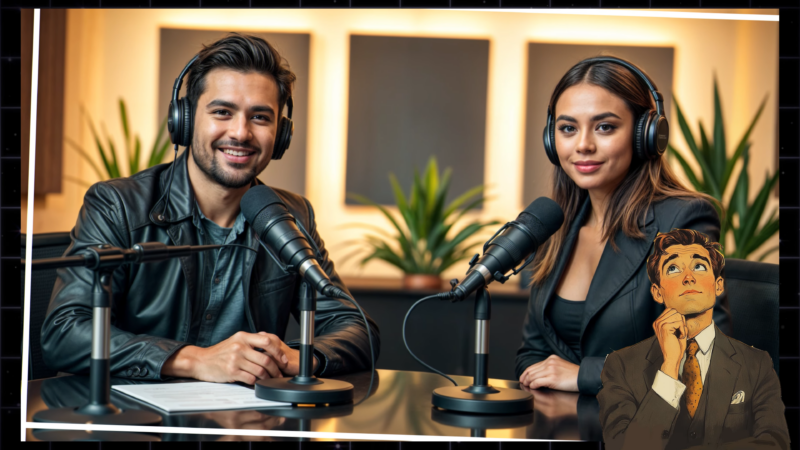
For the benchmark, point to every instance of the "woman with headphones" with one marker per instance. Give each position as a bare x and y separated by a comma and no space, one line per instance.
606,134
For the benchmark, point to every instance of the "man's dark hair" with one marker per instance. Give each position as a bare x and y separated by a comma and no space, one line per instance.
683,237
244,54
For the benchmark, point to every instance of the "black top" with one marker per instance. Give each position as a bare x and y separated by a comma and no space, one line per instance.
566,316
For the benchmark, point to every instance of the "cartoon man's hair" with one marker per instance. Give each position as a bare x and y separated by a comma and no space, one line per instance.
683,237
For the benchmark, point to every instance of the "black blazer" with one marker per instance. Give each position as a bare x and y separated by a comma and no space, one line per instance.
619,309
634,416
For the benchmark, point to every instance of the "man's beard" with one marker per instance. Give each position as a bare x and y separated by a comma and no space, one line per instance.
213,170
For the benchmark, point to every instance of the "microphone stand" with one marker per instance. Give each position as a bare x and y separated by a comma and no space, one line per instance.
99,410
305,388
481,397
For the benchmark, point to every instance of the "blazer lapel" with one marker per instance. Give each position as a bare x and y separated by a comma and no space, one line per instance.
616,268
548,288
720,381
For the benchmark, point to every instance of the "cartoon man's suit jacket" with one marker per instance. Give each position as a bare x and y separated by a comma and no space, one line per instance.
633,416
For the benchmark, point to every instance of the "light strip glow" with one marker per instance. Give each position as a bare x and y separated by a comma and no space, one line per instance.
26,324
637,13
277,433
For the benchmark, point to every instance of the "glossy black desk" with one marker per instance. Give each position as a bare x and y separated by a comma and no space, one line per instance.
400,404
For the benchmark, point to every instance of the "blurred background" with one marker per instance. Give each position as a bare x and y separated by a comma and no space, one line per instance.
383,91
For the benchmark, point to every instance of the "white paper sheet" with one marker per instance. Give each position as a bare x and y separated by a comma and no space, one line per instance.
196,396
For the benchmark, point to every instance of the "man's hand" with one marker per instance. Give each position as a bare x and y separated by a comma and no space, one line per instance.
292,367
671,332
553,373
234,359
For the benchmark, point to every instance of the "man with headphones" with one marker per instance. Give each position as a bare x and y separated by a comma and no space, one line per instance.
219,315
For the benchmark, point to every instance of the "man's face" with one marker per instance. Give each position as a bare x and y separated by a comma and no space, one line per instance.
687,280
235,126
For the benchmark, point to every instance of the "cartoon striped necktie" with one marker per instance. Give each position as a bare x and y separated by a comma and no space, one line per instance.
691,377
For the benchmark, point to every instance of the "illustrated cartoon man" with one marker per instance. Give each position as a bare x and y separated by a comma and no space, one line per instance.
690,385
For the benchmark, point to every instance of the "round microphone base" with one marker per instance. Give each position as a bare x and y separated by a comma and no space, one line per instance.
73,415
92,436
500,401
322,391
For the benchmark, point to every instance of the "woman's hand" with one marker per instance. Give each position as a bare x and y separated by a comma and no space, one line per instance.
553,373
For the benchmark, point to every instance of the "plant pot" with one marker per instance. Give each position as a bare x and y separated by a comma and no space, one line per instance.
418,281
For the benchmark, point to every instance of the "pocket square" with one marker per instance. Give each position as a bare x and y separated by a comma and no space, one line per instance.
738,398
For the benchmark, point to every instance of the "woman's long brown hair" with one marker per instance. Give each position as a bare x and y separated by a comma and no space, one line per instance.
647,182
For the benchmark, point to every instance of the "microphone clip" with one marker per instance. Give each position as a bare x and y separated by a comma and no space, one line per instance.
497,275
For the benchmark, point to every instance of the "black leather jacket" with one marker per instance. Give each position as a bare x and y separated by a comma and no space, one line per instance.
153,303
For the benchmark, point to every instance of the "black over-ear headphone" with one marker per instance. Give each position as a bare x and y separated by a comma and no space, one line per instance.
180,119
650,135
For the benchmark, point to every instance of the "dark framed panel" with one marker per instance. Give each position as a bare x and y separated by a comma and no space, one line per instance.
547,63
178,46
411,98
49,101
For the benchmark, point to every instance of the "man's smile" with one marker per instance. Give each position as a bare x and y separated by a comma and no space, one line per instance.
237,154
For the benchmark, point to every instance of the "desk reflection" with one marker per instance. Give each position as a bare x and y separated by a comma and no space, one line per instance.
400,403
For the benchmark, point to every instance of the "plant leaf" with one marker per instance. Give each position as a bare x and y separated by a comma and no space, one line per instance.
136,154
159,149
85,156
461,199
705,147
754,212
697,184
719,160
709,180
762,257
766,232
742,143
78,181
403,239
100,149
124,118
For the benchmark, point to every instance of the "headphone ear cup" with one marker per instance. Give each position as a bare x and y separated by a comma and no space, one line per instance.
284,137
186,122
174,122
659,137
640,136
549,139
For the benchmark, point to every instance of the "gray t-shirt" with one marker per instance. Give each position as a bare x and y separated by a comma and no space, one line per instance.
222,289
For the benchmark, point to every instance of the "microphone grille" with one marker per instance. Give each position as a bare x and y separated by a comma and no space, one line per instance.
256,204
544,217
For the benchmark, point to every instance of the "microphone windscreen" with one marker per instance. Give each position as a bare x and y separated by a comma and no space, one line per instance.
256,199
543,217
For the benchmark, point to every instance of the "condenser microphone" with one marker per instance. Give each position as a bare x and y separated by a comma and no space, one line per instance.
512,244
276,227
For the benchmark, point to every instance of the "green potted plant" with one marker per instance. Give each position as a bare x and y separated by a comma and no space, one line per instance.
425,243
133,149
714,179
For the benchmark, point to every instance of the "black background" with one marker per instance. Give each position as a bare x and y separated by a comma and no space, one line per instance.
10,309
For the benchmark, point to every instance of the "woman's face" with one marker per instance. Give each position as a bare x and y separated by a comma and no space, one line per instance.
594,137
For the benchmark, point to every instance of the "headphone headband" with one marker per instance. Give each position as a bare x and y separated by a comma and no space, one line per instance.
659,99
179,81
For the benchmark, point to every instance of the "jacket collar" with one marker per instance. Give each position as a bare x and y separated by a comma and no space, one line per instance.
182,203
613,270
181,195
